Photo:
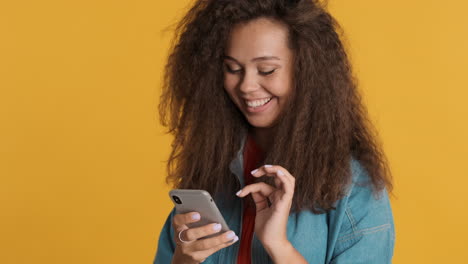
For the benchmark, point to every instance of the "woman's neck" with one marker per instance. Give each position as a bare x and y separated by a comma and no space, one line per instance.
263,137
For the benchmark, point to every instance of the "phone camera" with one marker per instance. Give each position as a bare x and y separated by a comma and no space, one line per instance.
176,199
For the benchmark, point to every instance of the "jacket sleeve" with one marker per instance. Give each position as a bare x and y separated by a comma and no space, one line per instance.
166,244
367,233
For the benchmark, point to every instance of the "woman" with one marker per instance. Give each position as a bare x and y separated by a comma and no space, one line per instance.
266,116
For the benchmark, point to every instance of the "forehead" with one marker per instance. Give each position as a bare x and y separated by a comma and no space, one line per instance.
260,37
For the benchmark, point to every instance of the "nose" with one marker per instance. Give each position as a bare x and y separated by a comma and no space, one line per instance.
249,83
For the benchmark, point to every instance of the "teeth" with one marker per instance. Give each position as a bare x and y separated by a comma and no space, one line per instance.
258,103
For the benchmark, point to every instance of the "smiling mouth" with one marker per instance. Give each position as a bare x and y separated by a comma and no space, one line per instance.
258,103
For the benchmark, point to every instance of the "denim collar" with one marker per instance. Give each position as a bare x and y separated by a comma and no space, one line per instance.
237,164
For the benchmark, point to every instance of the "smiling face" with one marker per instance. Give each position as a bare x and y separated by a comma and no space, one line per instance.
258,70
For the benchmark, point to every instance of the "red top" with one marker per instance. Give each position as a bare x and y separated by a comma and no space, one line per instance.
252,156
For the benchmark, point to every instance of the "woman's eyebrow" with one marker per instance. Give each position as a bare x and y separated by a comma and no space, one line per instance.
254,59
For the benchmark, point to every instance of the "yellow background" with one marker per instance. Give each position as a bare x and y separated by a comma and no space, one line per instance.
82,153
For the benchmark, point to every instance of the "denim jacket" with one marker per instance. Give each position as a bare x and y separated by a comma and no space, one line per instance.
360,229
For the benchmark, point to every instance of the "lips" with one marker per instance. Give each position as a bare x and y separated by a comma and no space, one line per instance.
258,102
260,107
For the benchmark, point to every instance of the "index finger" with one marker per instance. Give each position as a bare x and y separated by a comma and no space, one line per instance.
273,170
187,218
282,176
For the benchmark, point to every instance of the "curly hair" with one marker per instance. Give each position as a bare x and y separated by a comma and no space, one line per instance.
318,133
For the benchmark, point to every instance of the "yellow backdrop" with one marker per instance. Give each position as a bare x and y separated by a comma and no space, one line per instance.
82,153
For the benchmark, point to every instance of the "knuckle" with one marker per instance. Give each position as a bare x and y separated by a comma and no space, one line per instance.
210,229
218,240
189,236
278,167
258,186
199,232
246,188
176,220
228,236
201,245
204,244
196,234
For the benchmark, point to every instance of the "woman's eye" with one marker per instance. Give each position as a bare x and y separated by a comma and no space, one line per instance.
228,69
267,73
231,70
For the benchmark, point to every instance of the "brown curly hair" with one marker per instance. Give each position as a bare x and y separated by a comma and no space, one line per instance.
319,132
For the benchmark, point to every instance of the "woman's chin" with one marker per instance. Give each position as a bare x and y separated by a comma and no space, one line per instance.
261,123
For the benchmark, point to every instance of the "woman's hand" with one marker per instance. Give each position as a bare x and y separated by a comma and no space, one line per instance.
194,251
271,221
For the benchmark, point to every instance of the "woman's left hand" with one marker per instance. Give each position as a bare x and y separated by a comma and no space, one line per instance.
271,221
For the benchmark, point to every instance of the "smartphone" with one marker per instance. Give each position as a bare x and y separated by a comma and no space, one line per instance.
187,200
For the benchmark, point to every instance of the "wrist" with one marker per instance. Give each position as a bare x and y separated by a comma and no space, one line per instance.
284,252
278,247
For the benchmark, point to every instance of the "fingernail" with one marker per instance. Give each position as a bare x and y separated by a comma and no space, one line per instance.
235,239
239,192
254,171
280,173
217,227
230,234
196,216
268,166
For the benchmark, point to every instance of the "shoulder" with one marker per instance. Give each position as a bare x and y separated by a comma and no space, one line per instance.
363,217
365,207
362,199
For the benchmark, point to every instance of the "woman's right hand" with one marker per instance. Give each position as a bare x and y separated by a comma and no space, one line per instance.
196,251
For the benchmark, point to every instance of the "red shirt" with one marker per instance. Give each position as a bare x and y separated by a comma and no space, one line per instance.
252,156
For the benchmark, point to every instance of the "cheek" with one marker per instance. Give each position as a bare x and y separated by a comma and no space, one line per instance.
279,87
